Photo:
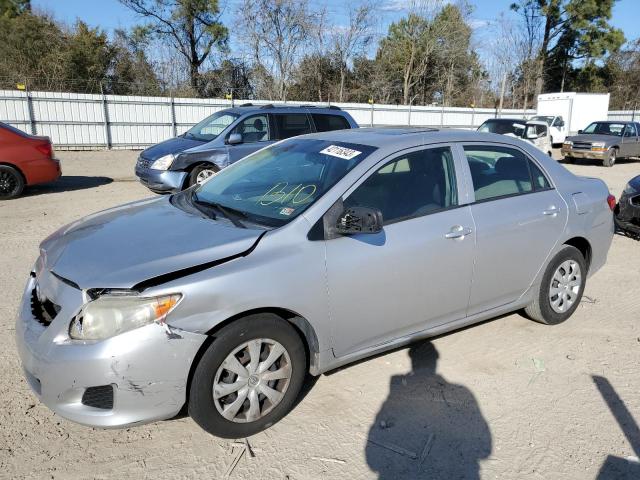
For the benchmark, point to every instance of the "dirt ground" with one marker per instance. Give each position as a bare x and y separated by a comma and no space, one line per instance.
507,399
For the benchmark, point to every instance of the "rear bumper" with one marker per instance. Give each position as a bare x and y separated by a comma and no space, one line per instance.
146,368
161,180
43,171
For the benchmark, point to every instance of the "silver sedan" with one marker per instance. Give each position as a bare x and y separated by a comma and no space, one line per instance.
307,255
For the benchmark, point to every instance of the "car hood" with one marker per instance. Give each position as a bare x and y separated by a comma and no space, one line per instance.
132,244
590,138
173,145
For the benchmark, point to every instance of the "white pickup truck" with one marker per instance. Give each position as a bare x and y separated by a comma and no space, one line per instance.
568,112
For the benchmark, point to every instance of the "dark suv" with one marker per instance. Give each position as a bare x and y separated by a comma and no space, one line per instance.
227,136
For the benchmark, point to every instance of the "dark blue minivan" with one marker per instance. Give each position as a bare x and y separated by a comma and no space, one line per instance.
227,136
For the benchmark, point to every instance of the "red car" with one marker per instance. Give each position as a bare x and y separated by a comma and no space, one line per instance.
24,160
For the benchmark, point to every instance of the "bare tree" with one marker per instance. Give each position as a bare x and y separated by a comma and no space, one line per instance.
352,40
192,27
278,32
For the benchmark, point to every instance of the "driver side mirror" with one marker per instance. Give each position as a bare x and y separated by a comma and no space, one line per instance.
580,131
356,220
234,139
532,135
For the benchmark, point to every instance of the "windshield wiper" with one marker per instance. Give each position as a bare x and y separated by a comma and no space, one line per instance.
230,213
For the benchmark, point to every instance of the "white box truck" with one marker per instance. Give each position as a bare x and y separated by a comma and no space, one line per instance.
568,112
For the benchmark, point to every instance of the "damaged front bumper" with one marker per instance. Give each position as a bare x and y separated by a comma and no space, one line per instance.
136,377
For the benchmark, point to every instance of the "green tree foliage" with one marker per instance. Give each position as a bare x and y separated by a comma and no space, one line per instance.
572,30
47,56
192,27
13,8
427,57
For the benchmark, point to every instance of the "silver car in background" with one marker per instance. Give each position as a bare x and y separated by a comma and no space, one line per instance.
310,254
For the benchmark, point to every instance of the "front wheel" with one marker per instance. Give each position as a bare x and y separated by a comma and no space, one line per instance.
249,377
561,288
201,173
570,159
610,159
11,182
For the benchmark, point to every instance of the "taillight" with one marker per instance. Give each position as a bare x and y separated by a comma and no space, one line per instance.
611,200
45,149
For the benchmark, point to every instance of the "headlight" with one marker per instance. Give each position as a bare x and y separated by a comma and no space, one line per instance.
163,163
568,143
598,144
112,315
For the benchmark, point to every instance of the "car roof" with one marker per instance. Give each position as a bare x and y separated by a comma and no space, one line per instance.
505,120
245,108
537,122
398,138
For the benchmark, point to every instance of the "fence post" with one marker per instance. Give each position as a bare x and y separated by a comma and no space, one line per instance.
409,116
372,109
442,116
32,119
105,118
174,126
473,117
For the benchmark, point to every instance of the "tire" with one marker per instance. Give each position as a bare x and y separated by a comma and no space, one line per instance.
11,182
200,173
570,159
542,309
210,371
610,160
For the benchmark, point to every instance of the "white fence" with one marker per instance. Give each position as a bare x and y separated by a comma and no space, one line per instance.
87,121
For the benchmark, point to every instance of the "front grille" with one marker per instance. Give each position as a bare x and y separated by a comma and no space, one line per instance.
98,397
581,146
43,310
144,163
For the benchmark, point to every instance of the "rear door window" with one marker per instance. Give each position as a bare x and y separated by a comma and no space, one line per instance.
499,172
326,123
292,124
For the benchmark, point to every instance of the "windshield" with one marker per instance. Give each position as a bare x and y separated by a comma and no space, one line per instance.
276,184
605,128
502,127
546,119
211,127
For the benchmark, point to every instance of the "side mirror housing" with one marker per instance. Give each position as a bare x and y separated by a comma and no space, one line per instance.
532,135
580,131
356,220
234,139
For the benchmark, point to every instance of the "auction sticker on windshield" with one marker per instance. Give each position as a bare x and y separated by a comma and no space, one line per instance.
340,152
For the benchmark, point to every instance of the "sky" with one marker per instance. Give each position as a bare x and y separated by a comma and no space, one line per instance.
110,14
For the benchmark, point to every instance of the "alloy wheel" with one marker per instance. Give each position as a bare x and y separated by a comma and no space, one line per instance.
565,286
203,175
252,380
8,183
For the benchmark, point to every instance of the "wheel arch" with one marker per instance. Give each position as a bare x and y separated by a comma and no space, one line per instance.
17,169
583,245
189,168
303,327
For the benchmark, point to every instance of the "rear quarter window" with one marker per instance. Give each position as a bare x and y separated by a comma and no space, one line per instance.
326,123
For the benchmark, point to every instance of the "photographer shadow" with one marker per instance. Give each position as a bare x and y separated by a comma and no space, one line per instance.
427,427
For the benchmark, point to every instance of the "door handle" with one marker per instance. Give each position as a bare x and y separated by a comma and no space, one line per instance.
551,211
458,232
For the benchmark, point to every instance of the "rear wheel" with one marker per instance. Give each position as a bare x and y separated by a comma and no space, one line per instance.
610,159
561,288
201,173
11,182
249,377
